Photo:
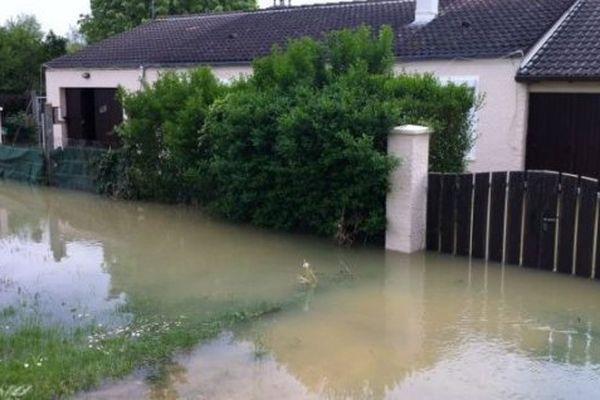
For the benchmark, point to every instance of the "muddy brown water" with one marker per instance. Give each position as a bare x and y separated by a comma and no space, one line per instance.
425,326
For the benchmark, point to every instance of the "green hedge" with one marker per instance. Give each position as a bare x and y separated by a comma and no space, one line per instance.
300,145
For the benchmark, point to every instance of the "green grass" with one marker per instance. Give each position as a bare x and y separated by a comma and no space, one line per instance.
57,362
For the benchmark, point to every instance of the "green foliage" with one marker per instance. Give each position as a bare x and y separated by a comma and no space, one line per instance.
109,17
298,146
54,362
446,108
301,145
19,128
113,175
23,49
163,132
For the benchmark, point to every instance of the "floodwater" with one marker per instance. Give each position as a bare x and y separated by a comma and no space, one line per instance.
380,326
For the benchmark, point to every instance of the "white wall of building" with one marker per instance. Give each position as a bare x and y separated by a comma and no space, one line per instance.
501,121
58,80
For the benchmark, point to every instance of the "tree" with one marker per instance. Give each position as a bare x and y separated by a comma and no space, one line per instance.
109,17
54,46
23,49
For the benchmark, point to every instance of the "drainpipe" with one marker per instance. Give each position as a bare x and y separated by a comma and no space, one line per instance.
1,135
142,76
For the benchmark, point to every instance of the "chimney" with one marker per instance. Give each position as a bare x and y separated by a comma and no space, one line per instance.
426,11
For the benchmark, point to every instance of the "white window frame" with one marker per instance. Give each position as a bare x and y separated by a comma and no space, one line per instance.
471,81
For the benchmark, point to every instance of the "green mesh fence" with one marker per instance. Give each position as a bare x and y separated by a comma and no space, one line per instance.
74,168
22,164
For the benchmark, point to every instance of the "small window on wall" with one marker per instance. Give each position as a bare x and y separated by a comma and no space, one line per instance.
472,82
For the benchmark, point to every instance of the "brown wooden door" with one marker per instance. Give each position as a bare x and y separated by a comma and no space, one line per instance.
74,116
108,114
92,114
564,133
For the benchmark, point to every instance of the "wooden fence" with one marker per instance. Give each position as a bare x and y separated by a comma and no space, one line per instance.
536,219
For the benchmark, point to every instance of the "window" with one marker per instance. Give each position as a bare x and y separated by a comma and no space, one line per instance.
472,82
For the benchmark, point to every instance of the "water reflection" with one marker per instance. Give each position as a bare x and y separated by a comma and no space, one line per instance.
155,258
425,326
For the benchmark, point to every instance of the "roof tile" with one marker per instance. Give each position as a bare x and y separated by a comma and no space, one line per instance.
464,29
573,51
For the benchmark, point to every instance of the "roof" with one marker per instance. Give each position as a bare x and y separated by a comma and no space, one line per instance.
573,51
464,29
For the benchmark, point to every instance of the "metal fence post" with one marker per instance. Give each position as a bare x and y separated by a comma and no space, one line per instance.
48,140
1,131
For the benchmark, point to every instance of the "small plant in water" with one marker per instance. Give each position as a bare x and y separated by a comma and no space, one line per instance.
308,277
7,312
260,347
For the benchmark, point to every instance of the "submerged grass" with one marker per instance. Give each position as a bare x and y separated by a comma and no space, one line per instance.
48,363
38,361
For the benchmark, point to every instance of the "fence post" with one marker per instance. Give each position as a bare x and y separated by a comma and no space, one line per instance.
406,203
48,140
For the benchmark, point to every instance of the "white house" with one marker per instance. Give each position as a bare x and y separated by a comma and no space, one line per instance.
496,46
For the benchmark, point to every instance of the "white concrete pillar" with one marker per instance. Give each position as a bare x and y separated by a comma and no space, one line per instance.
406,204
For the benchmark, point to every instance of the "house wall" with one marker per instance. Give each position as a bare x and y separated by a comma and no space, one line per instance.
57,80
502,119
500,130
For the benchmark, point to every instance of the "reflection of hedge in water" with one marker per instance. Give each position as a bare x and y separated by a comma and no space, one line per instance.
16,216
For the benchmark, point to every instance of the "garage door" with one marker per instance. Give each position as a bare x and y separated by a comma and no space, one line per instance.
92,114
564,133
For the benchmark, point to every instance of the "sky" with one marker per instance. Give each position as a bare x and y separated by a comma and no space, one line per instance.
59,15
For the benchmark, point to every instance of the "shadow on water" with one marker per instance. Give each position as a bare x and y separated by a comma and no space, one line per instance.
422,326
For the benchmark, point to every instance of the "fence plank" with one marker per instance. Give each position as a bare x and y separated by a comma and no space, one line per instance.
516,192
597,261
549,206
566,228
533,220
540,226
464,202
480,212
497,209
448,210
585,226
434,188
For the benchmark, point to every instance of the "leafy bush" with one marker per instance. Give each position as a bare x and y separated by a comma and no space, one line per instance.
162,132
300,145
20,128
445,108
113,175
